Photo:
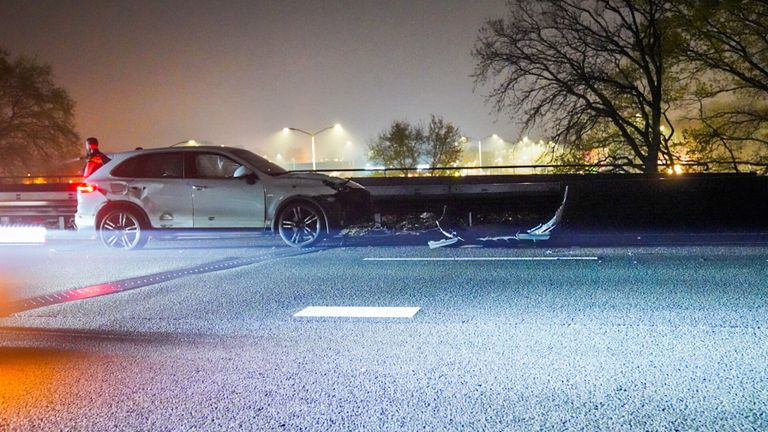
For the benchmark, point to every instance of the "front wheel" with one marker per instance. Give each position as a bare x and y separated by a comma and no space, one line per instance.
300,224
122,229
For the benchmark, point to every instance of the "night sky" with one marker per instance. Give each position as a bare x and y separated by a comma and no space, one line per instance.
152,73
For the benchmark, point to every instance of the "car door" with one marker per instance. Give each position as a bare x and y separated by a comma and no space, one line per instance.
221,196
155,181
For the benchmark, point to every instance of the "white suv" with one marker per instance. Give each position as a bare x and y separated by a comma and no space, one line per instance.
172,189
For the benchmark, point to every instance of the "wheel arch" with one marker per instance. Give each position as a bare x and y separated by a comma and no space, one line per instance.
302,198
114,205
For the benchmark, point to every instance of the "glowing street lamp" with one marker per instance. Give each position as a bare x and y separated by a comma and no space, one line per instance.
480,146
312,135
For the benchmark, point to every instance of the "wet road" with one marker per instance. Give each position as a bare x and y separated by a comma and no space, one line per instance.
623,338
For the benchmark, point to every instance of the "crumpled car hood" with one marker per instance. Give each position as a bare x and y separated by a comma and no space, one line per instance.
310,176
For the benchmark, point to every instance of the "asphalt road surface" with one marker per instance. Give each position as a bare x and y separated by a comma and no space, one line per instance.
204,335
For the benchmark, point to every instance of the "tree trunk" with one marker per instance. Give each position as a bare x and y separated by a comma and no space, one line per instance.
652,161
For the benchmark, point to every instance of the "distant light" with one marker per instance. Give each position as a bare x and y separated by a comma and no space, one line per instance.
675,169
337,126
22,235
495,136
286,130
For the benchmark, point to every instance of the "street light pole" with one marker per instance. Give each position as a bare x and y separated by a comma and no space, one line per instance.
480,152
480,147
314,163
312,136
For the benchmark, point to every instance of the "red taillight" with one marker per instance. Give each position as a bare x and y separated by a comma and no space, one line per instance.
85,188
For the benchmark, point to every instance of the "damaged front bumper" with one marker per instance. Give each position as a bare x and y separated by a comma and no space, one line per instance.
348,207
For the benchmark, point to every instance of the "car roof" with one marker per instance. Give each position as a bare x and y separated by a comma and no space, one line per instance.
179,148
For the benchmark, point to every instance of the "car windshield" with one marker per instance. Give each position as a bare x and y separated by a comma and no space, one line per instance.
259,162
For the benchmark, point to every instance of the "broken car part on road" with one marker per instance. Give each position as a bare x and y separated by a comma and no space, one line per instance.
540,232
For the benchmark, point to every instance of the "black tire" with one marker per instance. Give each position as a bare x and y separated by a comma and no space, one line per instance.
300,224
124,229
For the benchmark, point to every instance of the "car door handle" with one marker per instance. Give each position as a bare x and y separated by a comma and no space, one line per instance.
199,187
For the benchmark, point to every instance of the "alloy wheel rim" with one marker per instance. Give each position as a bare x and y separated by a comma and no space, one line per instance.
300,225
120,230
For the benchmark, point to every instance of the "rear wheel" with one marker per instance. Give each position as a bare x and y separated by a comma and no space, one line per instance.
122,228
300,224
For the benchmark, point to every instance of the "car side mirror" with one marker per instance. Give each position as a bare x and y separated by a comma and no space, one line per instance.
246,173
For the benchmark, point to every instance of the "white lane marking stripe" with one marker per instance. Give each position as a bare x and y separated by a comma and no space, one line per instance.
588,258
357,312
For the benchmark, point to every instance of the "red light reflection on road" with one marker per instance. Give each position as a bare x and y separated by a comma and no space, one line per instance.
92,291
6,292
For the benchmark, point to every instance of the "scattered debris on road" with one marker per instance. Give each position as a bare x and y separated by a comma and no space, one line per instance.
540,232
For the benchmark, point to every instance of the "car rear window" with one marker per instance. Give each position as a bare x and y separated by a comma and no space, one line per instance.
158,165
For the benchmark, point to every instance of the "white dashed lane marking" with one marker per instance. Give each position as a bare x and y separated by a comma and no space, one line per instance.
579,258
357,312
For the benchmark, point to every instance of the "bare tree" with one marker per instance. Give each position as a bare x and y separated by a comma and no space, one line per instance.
442,146
729,36
397,147
36,118
572,67
727,44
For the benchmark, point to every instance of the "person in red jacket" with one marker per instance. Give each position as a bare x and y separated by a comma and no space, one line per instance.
95,159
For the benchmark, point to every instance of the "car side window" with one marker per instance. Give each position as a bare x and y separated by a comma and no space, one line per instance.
214,166
157,165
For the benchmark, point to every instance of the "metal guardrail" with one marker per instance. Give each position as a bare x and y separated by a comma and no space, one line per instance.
702,166
36,180
688,166
474,170
49,204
